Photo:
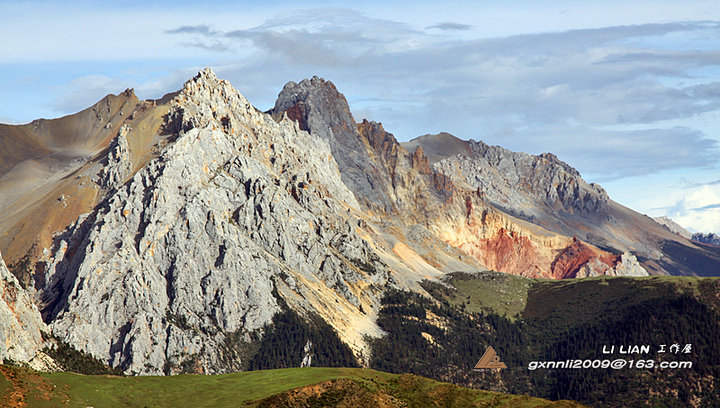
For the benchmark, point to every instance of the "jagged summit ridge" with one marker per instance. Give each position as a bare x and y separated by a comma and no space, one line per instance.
509,179
709,239
319,108
456,214
674,227
194,249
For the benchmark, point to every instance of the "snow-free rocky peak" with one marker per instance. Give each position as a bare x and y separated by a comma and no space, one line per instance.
189,258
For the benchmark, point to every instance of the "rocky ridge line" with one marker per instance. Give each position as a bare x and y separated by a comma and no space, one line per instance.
674,227
708,239
422,194
518,182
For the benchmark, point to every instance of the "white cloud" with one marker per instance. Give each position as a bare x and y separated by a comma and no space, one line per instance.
698,209
97,31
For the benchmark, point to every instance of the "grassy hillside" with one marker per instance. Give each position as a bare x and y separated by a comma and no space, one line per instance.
510,296
493,292
541,320
306,387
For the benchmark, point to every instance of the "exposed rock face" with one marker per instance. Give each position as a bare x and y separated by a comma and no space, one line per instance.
320,109
119,166
579,255
674,227
420,161
421,194
21,325
523,184
384,177
196,247
709,239
509,245
233,216
550,194
417,192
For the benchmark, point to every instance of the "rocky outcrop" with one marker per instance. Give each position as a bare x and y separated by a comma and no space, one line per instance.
119,166
708,239
420,161
416,191
187,260
674,227
579,255
525,185
505,244
21,326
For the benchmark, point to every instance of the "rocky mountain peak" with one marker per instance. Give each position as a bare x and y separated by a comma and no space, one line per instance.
523,184
317,106
554,160
189,258
205,75
208,102
379,140
294,92
206,87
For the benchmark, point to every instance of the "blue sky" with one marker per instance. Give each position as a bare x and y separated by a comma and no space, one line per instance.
628,92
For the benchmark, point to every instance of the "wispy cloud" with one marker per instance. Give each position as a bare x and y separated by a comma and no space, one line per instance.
707,207
203,29
85,91
610,155
449,26
214,46
698,209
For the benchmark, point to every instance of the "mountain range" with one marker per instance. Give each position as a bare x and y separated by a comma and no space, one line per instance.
196,233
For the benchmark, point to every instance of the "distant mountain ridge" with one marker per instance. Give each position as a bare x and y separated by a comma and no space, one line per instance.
709,238
674,227
549,193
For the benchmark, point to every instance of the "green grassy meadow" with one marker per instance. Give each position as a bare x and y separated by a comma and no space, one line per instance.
343,385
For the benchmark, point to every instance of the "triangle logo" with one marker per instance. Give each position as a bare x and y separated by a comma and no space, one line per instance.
489,360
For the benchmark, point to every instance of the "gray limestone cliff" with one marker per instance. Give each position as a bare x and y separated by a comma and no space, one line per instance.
320,109
185,263
523,184
119,166
21,325
392,183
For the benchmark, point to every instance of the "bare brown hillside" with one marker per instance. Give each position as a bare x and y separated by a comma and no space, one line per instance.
48,170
